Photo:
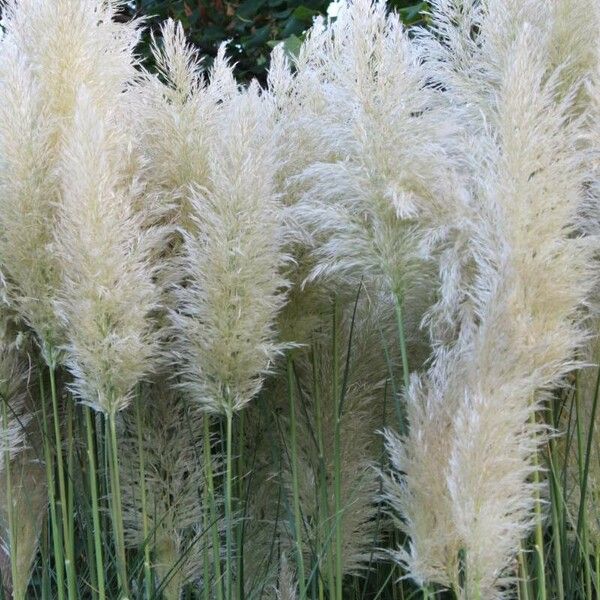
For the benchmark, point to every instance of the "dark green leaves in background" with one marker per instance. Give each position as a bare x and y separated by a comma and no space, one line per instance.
253,27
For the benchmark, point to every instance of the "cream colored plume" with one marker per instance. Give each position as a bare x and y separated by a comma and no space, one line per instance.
50,49
107,294
29,504
472,436
27,499
384,141
178,117
15,415
231,290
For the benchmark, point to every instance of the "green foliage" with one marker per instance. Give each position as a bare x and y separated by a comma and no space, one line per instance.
252,27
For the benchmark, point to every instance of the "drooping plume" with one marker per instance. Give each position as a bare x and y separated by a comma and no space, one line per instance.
472,432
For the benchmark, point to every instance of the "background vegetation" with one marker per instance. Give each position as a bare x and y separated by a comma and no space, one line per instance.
253,27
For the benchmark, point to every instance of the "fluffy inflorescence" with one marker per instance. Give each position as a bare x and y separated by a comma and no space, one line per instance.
49,51
473,436
107,294
232,254
385,140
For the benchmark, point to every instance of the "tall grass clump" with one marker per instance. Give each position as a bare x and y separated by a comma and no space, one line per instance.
330,339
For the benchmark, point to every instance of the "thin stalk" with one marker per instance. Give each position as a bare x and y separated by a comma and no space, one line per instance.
11,512
337,451
57,541
115,504
229,505
70,486
404,357
402,340
597,563
539,531
91,455
210,492
295,484
205,558
142,478
324,500
69,555
557,514
240,495
584,454
45,556
524,579
90,556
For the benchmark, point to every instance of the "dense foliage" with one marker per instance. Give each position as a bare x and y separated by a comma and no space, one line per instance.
253,27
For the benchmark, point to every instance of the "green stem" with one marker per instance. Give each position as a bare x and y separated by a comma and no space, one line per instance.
597,563
210,492
295,484
524,579
115,504
557,514
91,454
539,530
240,495
57,541
404,357
229,505
324,494
18,593
142,477
337,476
584,453
62,492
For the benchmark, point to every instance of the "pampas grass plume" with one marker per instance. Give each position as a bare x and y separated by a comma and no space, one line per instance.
232,290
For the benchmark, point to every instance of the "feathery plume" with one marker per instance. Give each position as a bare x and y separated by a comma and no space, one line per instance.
23,503
29,505
363,413
178,111
14,375
385,137
49,50
232,289
107,293
287,587
472,432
